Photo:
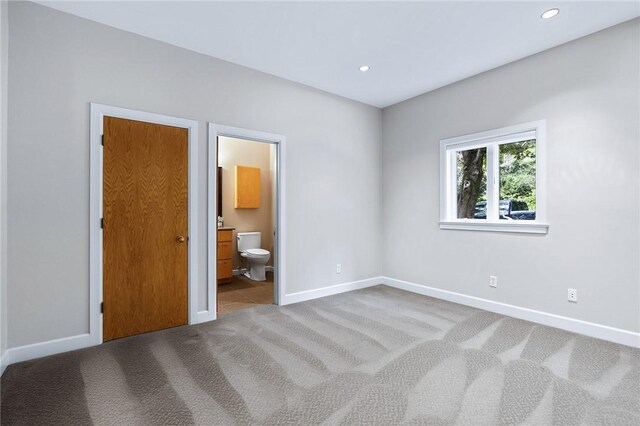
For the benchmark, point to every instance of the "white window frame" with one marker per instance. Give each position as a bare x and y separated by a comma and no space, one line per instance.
491,139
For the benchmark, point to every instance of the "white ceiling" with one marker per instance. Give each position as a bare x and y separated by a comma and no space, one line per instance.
412,47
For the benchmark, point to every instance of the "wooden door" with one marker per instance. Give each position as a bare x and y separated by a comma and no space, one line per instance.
145,234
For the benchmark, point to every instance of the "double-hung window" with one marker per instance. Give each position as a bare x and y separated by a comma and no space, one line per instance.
495,180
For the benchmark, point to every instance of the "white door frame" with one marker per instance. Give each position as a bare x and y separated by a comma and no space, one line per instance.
98,111
279,141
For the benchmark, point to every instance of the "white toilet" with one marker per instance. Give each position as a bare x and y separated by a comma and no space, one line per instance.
249,248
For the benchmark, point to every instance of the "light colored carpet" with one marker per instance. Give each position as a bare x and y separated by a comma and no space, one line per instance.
374,356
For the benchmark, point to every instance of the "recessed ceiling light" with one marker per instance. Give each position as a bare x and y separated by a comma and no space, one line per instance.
364,68
550,13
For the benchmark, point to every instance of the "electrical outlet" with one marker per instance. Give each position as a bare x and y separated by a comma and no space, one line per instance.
493,281
338,268
572,295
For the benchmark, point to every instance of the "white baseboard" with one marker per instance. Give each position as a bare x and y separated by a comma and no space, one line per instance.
50,347
205,316
624,337
331,290
3,362
599,331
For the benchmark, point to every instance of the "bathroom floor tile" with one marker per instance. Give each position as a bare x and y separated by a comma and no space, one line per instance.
244,293
235,285
259,295
236,306
234,296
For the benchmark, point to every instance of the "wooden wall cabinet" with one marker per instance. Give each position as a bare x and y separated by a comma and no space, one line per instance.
225,256
247,185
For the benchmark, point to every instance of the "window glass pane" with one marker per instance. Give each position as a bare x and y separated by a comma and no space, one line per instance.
518,180
471,183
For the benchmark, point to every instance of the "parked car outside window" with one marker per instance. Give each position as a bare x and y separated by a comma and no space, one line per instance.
509,210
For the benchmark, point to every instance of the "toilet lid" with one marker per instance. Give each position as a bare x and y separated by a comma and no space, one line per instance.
258,251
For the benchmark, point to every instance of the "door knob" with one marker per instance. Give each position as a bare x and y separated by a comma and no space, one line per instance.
179,239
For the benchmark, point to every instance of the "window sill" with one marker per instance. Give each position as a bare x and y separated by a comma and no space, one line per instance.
477,225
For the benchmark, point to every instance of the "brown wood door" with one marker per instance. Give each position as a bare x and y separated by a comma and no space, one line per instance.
145,208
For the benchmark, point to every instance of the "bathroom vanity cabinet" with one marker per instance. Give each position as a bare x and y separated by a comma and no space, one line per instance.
225,255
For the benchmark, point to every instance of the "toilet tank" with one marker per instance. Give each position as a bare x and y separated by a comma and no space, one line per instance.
248,240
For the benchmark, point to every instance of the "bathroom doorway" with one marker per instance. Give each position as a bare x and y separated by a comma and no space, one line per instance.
245,217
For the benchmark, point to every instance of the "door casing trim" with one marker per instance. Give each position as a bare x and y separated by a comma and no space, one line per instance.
216,130
98,111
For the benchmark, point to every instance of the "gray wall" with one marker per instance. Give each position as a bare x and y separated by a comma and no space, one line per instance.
59,63
4,44
589,93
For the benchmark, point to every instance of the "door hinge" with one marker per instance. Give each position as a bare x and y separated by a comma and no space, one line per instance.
102,307
102,223
102,140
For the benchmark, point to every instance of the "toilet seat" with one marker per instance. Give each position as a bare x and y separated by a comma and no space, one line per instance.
258,252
